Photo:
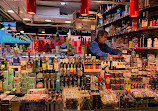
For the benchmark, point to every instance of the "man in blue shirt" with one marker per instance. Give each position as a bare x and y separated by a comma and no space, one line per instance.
99,48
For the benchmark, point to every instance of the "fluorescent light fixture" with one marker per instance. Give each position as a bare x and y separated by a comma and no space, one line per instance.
67,21
21,31
63,3
43,31
47,20
10,11
26,19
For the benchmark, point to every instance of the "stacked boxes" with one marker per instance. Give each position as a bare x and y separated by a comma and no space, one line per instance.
17,82
5,83
8,80
31,82
24,82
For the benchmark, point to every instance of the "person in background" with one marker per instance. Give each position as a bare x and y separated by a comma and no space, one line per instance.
99,48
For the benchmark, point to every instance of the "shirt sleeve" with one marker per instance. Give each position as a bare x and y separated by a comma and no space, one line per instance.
110,50
94,48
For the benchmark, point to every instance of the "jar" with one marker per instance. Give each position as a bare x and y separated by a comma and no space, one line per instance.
149,43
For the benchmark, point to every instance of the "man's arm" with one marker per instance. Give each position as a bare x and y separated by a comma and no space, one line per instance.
111,51
94,48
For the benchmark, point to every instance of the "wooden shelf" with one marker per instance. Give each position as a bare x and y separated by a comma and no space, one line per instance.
133,31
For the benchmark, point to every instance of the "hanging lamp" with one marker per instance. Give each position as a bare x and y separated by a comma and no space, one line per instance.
84,9
31,7
134,8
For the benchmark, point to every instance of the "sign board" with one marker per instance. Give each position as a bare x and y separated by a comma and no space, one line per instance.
84,23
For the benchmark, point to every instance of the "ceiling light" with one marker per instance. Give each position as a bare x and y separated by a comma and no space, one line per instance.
10,11
21,31
63,3
43,31
26,19
47,20
67,21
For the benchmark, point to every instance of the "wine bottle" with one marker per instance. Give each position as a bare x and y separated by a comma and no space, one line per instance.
39,61
143,20
56,64
34,64
44,64
74,69
68,69
71,69
50,64
145,40
146,22
29,63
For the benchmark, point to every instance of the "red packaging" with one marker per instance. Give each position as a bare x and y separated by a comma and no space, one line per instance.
75,43
97,66
154,23
91,66
107,80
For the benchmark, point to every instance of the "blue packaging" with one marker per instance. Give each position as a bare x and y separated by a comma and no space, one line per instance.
119,13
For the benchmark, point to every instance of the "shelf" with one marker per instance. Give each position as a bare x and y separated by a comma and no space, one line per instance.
114,21
114,7
149,7
133,31
144,9
145,48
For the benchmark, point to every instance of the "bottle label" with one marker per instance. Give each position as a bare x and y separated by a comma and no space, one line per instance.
44,66
50,67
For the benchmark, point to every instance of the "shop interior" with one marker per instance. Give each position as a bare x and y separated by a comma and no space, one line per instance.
45,64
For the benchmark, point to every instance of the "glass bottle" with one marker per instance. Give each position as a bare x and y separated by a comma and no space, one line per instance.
34,64
143,20
146,20
56,64
29,63
44,63
71,69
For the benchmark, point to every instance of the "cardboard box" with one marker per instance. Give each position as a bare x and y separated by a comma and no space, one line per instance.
10,87
18,90
24,74
11,72
24,80
15,68
10,83
31,80
5,74
32,86
17,74
23,90
24,85
17,80
17,85
11,79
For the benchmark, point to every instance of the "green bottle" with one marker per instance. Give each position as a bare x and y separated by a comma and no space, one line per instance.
34,64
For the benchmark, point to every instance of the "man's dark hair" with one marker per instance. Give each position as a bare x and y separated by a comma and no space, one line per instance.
101,32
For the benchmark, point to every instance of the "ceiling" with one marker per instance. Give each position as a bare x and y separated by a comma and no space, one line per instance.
67,9
46,9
